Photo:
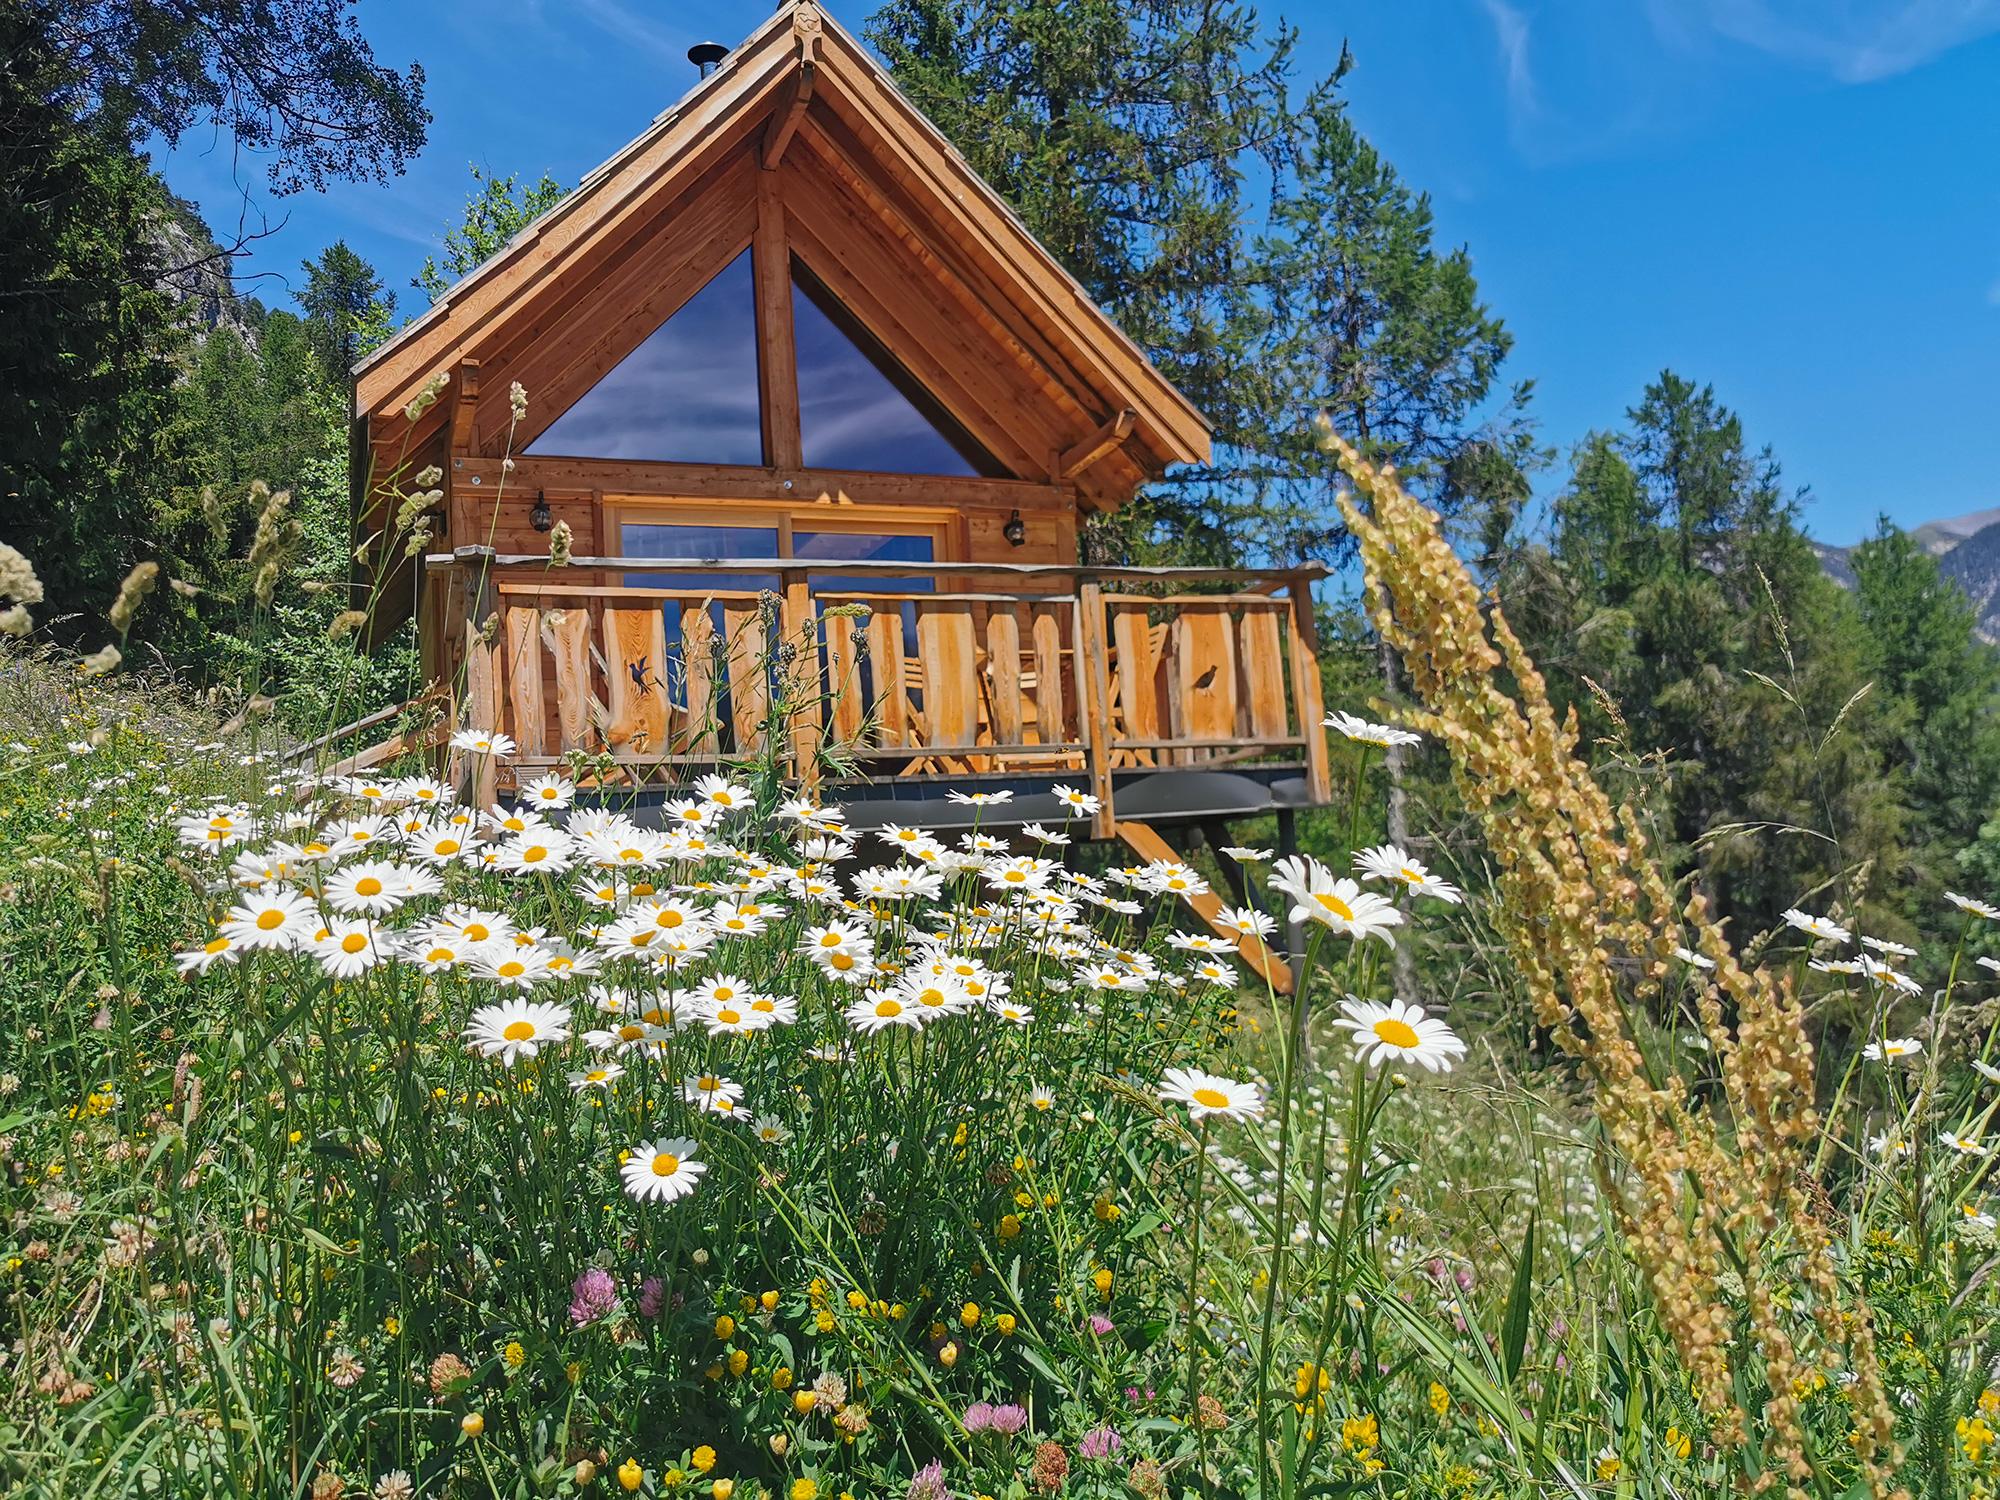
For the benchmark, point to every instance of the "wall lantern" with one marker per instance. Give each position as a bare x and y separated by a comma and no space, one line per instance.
1014,531
538,513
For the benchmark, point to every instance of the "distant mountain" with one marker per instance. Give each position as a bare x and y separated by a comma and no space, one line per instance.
1975,563
1967,549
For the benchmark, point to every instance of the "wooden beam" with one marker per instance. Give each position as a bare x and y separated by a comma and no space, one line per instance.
791,110
777,352
464,426
1148,845
1094,447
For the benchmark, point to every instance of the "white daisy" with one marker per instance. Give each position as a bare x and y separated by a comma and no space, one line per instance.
720,792
483,742
1986,1070
1363,732
1892,1048
1883,945
1246,856
549,792
1246,921
1819,927
1964,1145
1075,804
276,920
600,1077
709,1089
511,965
1689,956
515,1029
219,950
770,1130
1977,908
1041,1098
1399,1032
662,1171
881,1008
347,947
1208,1095
535,853
1388,862
1339,904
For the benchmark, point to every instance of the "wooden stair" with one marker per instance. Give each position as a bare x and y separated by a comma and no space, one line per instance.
1142,840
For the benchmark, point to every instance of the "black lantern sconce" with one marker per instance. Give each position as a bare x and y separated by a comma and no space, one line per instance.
1015,532
538,513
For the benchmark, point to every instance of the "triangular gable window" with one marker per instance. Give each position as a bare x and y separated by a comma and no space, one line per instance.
859,408
688,394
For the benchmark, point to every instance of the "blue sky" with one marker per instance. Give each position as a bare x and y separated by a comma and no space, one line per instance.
1798,200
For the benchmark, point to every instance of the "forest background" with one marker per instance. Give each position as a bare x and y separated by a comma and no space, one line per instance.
1794,737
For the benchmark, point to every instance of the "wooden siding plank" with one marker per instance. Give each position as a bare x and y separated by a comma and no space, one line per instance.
777,354
483,711
1092,666
1137,700
1306,691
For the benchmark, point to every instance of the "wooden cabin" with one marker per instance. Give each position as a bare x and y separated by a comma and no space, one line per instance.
822,419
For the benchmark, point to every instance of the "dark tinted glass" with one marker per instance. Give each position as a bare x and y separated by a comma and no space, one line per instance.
858,409
686,395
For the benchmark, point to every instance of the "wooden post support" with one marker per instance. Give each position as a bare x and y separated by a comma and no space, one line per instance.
464,429
1094,447
777,362
1148,845
1090,652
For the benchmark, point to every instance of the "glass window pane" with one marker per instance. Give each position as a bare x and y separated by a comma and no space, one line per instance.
859,409
688,394
688,543
862,546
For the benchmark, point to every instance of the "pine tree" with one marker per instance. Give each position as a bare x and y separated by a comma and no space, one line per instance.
344,305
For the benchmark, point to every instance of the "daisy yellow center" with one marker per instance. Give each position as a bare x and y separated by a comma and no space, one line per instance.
931,997
447,846
267,920
439,955
361,835
512,969
1397,1033
1335,905
549,794
693,815
666,1164
519,1031
631,1033
727,1016
631,854
888,1008
354,942
597,1075
830,940
534,856
1414,877
765,1006
368,886
1015,875
709,1085
640,939
642,890
671,919
842,961
1211,1098
217,946
476,932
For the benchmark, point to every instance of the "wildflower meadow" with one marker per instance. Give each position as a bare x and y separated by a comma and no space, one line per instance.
361,1140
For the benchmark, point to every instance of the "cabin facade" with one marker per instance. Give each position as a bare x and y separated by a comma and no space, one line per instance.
822,419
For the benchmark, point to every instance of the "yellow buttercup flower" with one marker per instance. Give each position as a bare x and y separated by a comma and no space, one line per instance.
805,1489
704,1458
630,1474
969,1315
1440,1399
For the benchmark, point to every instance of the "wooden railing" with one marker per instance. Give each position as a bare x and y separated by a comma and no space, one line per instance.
966,672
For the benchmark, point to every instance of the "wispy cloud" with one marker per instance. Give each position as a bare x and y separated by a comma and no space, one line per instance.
1854,41
1511,25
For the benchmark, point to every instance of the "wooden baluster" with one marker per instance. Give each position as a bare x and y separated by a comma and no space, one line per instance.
1093,667
1263,665
524,682
745,651
699,727
1046,630
482,709
885,662
801,680
635,642
843,680
948,651
1136,665
568,632
1003,673
1205,652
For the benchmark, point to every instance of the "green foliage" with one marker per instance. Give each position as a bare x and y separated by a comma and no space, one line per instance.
345,309
494,214
1136,143
1677,580
292,78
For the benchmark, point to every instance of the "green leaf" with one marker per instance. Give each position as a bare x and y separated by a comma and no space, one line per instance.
1041,1367
1514,1329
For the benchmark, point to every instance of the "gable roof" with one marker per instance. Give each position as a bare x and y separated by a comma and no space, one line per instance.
800,76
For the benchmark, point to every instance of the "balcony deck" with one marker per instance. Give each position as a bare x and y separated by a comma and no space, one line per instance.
1171,695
